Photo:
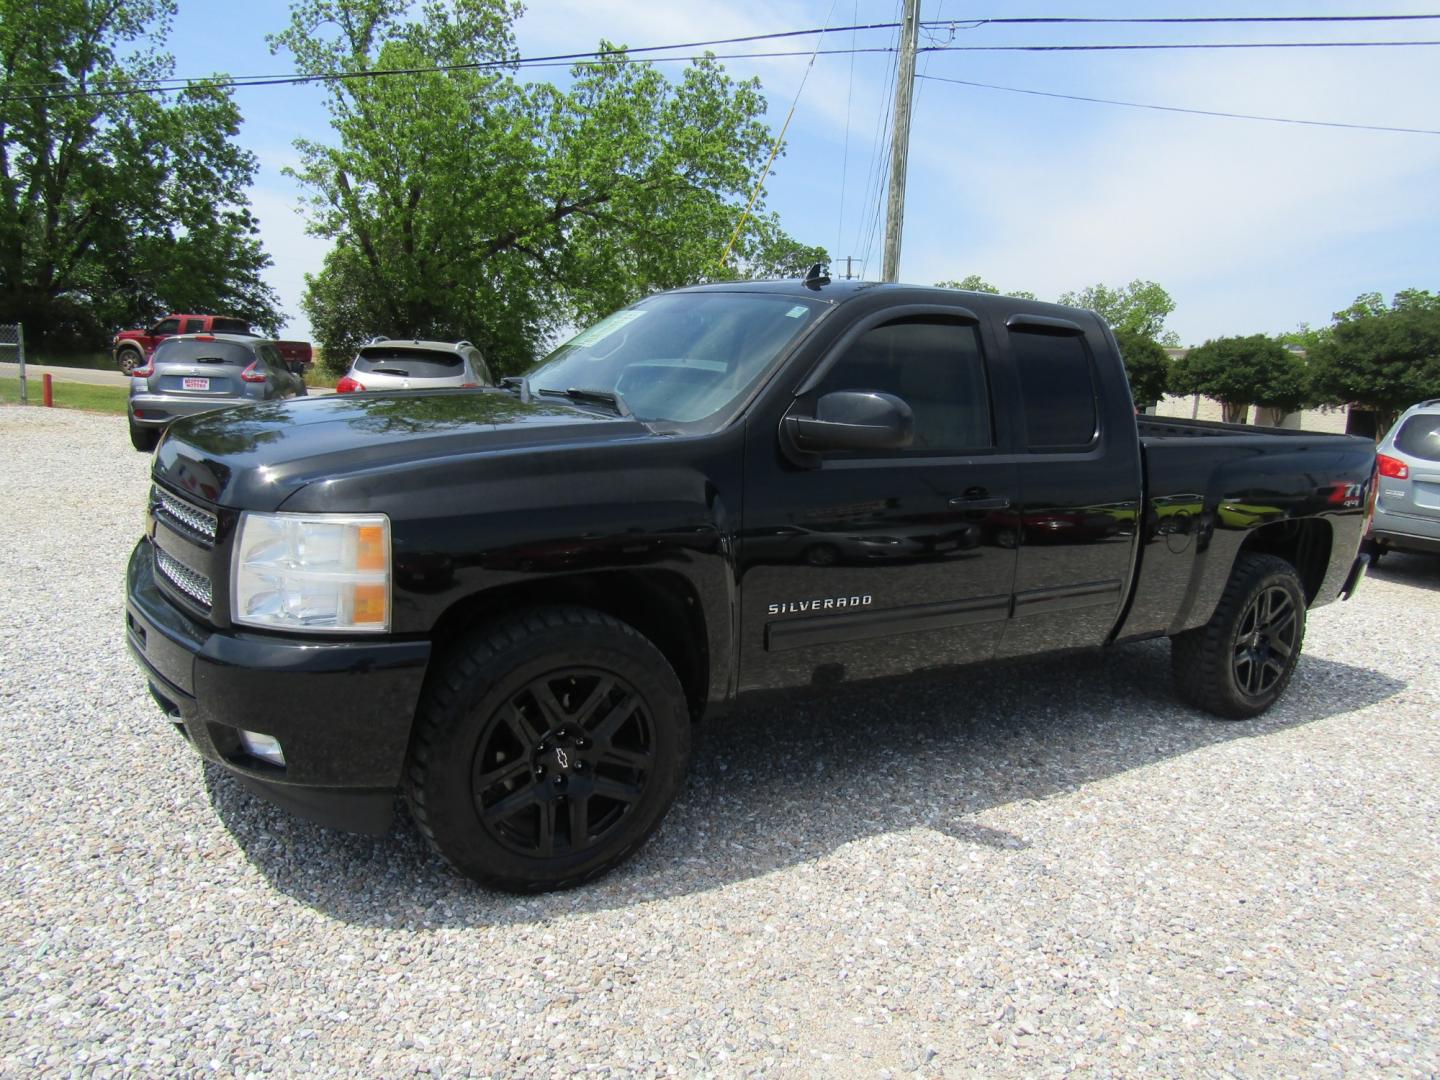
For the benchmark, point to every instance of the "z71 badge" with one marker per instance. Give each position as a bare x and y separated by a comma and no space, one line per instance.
828,603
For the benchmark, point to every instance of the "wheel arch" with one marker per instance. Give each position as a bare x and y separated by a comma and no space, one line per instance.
1304,543
663,605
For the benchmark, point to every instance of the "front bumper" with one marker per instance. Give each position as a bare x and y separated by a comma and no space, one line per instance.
342,710
158,410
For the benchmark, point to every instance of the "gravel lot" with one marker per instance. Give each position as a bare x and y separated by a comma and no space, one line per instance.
1012,873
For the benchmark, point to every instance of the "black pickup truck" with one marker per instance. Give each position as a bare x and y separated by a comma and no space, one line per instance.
512,604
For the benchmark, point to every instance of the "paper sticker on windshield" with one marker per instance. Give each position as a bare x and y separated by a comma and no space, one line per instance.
605,327
799,311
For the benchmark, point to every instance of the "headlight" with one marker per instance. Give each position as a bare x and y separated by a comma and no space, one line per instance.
316,573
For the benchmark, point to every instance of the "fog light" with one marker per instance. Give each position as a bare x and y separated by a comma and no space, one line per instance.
264,747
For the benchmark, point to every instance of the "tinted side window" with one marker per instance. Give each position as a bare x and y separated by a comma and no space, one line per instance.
1057,386
932,364
194,326
165,327
230,326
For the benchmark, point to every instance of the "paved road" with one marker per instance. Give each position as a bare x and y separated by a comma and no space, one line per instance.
65,374
88,375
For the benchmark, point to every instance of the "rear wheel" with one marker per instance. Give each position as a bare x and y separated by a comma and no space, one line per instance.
1238,664
548,748
143,438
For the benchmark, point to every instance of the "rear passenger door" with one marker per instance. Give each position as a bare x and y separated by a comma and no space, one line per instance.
881,562
1079,484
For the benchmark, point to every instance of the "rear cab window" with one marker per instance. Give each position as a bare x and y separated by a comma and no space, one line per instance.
1057,388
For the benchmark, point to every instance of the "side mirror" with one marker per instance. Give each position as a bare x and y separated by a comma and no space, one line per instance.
854,420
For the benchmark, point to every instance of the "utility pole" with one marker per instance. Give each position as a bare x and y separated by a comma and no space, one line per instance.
900,139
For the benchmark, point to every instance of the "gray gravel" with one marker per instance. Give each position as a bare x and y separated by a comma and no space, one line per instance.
1016,872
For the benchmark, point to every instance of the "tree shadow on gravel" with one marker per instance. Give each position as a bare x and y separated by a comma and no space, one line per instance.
792,780
1405,568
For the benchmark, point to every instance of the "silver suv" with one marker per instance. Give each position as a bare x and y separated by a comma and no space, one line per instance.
393,364
193,373
1407,506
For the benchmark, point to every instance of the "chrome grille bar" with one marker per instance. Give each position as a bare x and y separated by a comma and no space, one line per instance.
200,522
192,584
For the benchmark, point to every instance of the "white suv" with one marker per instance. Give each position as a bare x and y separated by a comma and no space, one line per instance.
389,364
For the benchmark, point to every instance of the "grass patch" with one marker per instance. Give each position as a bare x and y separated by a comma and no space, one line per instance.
69,395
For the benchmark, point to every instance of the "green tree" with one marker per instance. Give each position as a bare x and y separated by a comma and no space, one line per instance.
1243,371
1147,365
464,203
1140,307
115,208
1305,337
1381,357
975,283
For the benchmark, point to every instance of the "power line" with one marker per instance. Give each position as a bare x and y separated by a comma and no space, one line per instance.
182,82
1180,45
606,57
845,153
574,60
1178,109
779,139
1051,20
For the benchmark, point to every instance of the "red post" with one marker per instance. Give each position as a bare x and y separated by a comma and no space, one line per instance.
49,398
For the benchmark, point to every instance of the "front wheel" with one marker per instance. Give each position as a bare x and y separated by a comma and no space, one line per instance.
548,747
128,360
1238,664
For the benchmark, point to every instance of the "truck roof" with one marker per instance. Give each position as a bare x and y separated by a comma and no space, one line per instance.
841,290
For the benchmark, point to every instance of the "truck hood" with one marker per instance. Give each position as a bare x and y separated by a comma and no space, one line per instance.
256,456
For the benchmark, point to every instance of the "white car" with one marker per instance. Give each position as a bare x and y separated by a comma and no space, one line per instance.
388,364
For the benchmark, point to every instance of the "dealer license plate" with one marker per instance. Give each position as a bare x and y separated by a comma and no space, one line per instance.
196,384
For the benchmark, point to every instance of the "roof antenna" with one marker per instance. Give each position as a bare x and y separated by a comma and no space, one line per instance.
816,276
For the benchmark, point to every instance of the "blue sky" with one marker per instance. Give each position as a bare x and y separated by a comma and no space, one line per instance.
1251,226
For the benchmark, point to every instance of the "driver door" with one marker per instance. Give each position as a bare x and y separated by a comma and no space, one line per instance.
874,563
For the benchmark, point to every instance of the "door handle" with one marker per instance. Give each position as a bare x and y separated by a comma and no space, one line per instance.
980,502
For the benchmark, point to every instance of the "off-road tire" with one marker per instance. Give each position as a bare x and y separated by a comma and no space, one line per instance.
143,438
487,690
127,360
1207,662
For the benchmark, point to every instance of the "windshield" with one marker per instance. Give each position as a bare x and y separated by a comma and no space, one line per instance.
678,357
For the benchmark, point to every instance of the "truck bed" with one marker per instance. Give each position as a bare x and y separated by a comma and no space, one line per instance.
1173,427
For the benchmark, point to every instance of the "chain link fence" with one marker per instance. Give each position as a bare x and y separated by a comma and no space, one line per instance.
12,337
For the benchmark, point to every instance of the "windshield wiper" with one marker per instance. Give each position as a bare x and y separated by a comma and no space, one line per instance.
592,397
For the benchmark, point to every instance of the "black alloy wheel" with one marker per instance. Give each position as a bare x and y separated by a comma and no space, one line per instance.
561,763
548,746
1239,663
1265,641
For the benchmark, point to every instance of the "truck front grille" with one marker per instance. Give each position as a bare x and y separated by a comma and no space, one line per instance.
194,520
194,585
